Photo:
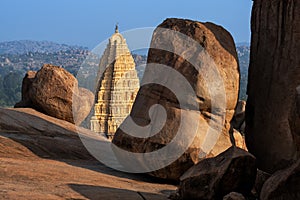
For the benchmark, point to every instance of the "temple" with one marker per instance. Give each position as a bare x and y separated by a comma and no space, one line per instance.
117,87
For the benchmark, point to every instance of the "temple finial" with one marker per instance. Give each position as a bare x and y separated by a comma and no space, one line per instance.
117,28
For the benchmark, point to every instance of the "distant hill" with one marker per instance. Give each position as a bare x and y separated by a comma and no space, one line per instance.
238,44
26,46
143,52
243,52
17,57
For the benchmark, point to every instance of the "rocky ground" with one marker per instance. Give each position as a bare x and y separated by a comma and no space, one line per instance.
45,159
42,157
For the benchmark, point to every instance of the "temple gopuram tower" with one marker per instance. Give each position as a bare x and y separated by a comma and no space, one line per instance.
117,88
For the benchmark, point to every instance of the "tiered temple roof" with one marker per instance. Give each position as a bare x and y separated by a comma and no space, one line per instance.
117,87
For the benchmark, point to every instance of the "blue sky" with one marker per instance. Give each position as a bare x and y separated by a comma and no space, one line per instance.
88,22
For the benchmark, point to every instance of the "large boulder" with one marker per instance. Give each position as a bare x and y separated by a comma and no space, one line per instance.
232,171
181,55
55,92
274,74
284,184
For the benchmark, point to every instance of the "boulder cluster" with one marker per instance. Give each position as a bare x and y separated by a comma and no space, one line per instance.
268,168
217,163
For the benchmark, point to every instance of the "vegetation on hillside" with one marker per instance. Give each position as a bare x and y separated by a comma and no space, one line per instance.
16,59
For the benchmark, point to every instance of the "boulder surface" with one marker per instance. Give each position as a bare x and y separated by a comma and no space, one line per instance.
55,92
238,121
42,157
213,68
209,49
232,171
274,75
234,196
284,184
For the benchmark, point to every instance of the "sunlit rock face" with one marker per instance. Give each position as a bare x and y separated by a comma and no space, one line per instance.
205,57
54,91
117,87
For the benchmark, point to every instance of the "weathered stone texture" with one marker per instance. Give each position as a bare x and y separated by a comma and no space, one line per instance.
55,92
284,184
219,45
274,74
232,171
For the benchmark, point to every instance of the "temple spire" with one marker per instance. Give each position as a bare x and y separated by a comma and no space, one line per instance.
117,87
117,28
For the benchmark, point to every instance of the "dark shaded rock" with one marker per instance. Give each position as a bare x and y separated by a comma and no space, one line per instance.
294,119
232,171
54,91
26,85
274,74
284,184
219,45
234,196
261,178
238,120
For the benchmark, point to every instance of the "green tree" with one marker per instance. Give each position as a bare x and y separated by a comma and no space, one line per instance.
10,88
